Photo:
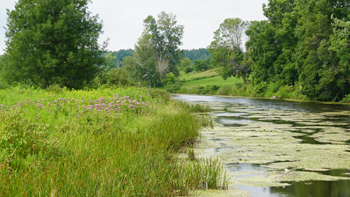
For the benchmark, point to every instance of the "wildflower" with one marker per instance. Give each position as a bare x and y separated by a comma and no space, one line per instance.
55,101
19,104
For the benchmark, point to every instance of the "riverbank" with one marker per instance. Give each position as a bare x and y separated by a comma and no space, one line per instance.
104,142
210,83
277,147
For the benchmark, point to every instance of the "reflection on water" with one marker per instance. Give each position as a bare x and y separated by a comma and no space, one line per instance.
241,112
314,107
315,189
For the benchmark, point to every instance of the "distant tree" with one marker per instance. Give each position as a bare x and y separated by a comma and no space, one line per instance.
227,51
121,54
185,63
196,54
52,42
201,65
111,61
166,38
142,66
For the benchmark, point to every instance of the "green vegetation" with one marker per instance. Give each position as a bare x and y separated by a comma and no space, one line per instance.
157,50
54,42
196,54
104,142
217,80
302,44
115,58
227,51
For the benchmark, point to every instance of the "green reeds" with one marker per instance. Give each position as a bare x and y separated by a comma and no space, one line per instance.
61,148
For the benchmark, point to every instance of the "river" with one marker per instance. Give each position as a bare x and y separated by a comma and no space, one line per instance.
278,148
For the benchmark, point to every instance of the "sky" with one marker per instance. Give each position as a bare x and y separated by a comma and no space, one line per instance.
123,20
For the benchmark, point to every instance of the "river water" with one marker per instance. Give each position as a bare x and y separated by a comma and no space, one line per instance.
278,148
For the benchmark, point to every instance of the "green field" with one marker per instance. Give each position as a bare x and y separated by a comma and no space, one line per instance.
217,80
208,77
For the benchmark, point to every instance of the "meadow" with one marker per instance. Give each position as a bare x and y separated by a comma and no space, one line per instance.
103,142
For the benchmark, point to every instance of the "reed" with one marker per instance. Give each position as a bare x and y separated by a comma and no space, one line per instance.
104,142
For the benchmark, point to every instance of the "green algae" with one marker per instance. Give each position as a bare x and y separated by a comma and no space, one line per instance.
276,146
231,192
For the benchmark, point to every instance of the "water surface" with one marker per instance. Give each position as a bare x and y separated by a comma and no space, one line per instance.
278,147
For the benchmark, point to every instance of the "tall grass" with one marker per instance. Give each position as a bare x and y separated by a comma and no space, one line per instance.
105,142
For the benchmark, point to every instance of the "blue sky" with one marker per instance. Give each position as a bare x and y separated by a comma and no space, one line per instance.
123,20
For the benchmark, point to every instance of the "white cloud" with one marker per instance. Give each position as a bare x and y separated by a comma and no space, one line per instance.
123,20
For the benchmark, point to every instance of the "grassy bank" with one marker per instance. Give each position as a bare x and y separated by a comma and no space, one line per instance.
106,142
210,83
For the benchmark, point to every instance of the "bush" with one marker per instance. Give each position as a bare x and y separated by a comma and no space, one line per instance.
260,89
188,69
172,88
238,85
225,90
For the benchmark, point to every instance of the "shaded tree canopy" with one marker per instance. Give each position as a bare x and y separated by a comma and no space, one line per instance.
303,43
52,42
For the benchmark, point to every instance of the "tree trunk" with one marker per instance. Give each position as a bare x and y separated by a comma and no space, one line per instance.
244,76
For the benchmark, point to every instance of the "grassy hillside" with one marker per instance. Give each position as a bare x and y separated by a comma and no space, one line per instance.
216,80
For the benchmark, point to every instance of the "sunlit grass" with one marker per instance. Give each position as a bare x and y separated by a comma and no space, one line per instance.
217,80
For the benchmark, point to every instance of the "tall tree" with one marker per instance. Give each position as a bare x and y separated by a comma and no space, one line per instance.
166,38
318,66
52,42
227,50
142,66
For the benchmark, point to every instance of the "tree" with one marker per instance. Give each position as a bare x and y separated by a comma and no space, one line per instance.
321,73
52,42
185,63
227,51
202,65
142,66
166,38
196,54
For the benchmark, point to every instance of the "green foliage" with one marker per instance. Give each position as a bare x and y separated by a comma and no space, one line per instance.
184,63
188,69
173,88
304,43
202,65
114,59
169,79
115,77
196,54
20,137
227,51
120,153
142,65
165,39
52,42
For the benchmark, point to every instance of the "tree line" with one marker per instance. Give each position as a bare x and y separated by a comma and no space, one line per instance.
302,44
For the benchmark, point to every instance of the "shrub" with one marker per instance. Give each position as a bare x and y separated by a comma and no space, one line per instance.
172,88
238,85
188,69
225,90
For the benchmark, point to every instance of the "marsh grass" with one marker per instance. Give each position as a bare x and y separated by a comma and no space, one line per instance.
105,142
